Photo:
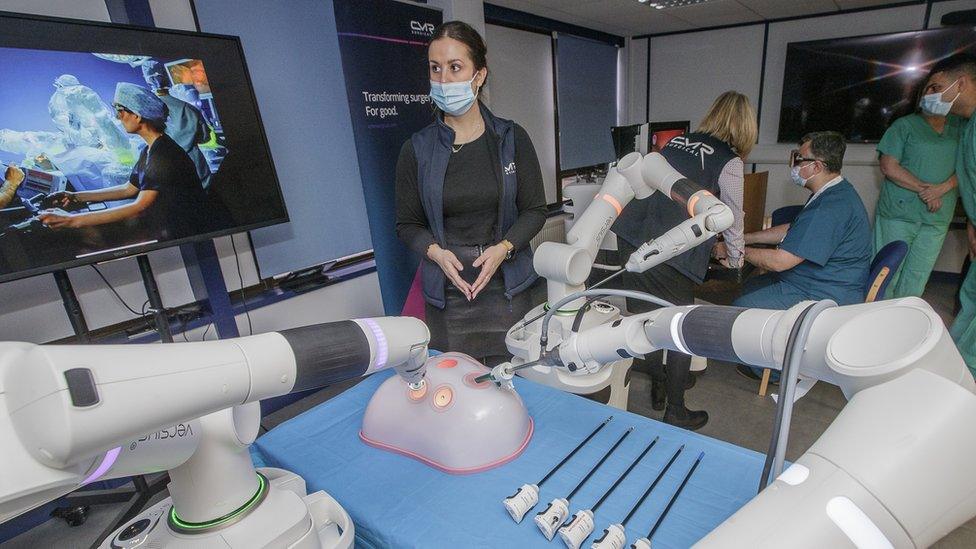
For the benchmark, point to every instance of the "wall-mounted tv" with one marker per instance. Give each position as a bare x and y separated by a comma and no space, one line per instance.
119,140
858,85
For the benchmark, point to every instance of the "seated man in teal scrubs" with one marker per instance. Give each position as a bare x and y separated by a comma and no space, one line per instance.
825,253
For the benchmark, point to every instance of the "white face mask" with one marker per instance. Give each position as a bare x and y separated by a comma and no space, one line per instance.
454,98
797,178
933,104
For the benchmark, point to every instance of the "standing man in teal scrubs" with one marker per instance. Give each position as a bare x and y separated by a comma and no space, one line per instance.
953,83
918,196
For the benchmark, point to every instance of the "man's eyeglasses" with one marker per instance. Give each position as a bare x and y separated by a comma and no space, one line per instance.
796,158
120,109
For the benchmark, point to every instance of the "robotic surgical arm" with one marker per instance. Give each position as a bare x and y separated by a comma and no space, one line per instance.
890,471
566,266
708,216
69,412
853,347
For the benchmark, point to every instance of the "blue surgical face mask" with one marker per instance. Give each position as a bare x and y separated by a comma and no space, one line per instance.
454,98
797,178
934,105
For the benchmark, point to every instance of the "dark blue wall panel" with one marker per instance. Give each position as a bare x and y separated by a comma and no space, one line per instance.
292,51
587,92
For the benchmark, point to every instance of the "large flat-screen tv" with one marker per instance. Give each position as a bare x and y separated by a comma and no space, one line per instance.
128,140
858,85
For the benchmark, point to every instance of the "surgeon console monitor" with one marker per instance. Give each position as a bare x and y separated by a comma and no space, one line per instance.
66,126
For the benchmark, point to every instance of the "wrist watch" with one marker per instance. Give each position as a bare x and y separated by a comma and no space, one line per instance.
509,248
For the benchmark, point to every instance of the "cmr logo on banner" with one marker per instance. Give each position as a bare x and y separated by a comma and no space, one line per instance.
386,107
420,28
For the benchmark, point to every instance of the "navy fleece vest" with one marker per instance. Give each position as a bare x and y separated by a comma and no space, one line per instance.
432,149
700,158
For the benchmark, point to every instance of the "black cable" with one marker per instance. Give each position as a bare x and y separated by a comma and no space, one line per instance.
247,313
594,286
205,332
578,319
119,297
182,320
579,313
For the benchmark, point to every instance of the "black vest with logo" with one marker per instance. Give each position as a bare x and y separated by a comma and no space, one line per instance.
700,158
432,149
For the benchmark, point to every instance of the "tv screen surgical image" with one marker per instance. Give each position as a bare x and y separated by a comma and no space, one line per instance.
104,154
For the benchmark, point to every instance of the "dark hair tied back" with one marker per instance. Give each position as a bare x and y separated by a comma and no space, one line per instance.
465,34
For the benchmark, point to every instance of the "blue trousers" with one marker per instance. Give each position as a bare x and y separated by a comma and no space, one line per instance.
767,292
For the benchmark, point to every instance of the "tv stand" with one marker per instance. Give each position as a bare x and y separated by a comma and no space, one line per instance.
77,504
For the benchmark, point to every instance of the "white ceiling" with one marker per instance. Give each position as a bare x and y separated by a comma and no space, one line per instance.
629,18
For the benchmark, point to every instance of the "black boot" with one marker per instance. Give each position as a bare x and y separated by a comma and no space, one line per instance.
658,394
685,418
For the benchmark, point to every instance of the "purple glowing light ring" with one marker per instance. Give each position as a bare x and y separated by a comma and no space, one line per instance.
107,462
382,345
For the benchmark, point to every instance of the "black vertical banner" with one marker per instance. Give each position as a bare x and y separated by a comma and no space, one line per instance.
383,45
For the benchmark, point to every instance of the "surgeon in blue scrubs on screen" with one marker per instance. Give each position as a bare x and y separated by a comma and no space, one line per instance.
168,200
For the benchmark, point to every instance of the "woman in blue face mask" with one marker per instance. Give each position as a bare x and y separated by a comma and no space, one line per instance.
469,199
918,196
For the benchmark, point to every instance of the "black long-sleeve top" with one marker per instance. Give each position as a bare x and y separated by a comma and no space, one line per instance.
471,195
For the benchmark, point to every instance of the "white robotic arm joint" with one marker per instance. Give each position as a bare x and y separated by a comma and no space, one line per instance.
62,407
621,339
566,266
708,215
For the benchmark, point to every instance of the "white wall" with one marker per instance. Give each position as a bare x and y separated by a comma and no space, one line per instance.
522,90
92,10
633,81
172,14
471,12
31,309
689,70
865,178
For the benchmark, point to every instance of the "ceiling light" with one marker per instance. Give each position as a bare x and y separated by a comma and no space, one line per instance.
662,4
